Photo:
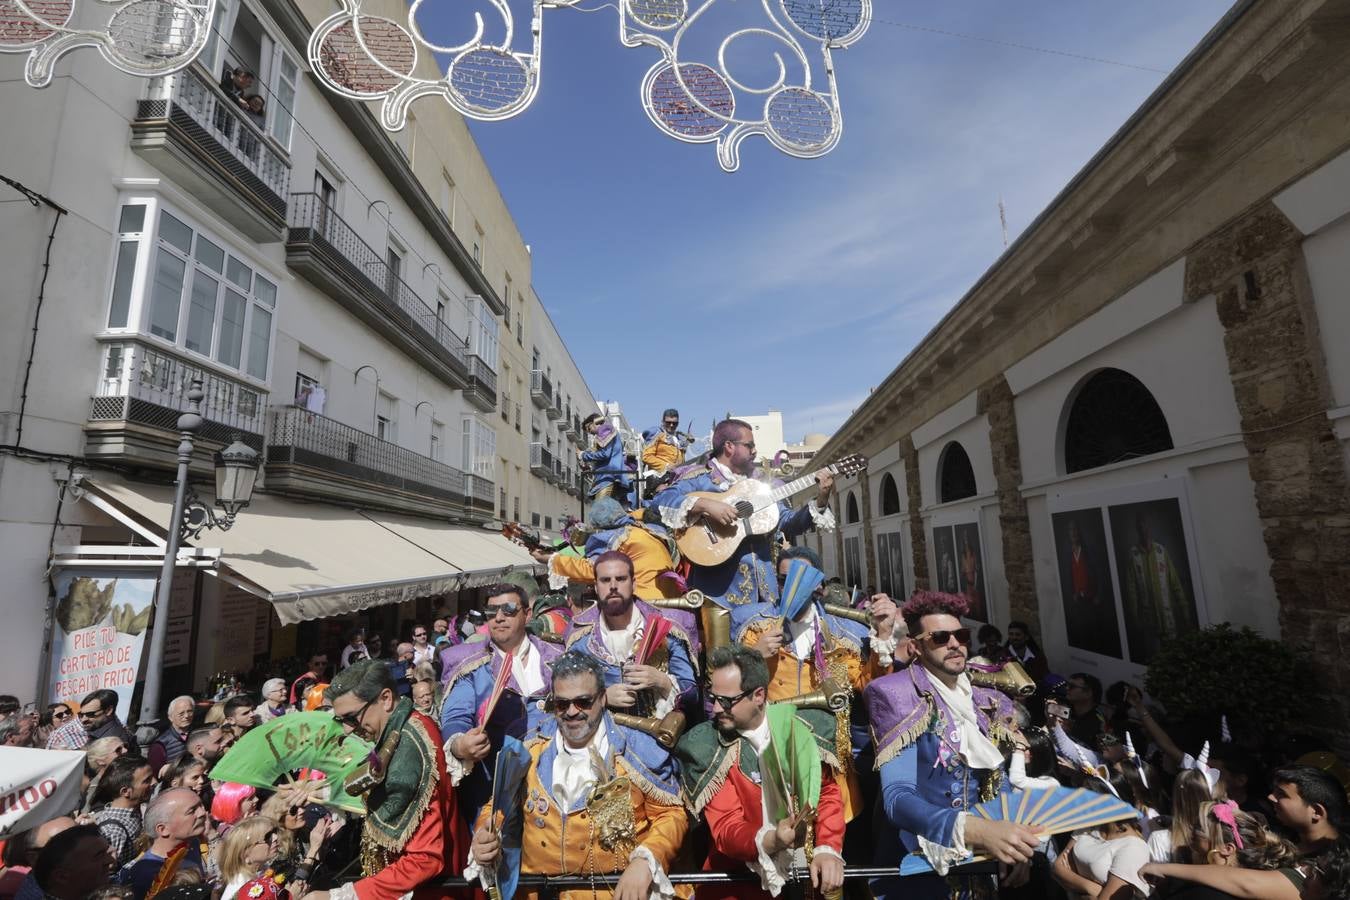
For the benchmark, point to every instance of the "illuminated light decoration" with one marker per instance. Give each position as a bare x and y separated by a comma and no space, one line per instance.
367,57
140,37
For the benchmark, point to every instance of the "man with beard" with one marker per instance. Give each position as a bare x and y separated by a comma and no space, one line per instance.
613,632
471,672
749,575
665,448
610,783
413,834
722,774
935,736
175,822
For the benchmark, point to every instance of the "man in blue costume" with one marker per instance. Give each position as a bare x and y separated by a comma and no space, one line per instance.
471,671
606,460
750,575
935,736
615,631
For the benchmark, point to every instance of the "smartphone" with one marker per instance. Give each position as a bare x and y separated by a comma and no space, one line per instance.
1056,710
313,813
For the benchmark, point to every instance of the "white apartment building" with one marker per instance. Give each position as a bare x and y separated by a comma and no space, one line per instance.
358,306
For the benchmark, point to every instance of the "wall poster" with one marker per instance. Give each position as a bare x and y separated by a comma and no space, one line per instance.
944,560
98,635
897,566
970,569
884,581
1127,569
853,562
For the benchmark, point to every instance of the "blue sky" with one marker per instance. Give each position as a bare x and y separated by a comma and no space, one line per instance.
798,284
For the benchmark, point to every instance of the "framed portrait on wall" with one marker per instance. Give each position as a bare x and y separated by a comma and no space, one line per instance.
1081,549
853,561
897,565
944,560
970,569
1153,568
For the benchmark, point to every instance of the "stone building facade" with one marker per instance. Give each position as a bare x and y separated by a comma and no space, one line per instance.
1138,420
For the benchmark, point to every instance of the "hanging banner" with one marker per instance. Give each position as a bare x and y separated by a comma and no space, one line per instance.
99,635
36,786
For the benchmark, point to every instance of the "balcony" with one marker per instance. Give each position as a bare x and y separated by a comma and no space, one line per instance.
328,252
541,461
201,139
482,388
133,416
315,457
555,410
541,389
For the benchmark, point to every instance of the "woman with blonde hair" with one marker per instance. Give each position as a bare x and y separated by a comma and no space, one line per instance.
244,853
1190,791
1238,857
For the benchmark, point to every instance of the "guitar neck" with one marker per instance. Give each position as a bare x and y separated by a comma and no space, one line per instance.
792,487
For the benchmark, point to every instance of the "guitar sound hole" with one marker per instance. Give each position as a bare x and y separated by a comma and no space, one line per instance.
744,509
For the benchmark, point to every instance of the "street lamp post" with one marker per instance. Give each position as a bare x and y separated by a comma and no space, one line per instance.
236,472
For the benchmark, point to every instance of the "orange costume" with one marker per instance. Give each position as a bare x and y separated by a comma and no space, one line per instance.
607,823
649,554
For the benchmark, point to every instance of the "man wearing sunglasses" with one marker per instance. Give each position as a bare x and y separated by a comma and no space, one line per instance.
605,458
97,718
472,671
733,746
613,632
748,576
412,833
935,736
572,800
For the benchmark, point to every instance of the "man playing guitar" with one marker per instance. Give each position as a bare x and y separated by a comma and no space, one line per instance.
749,574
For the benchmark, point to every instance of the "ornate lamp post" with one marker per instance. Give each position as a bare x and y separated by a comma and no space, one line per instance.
236,472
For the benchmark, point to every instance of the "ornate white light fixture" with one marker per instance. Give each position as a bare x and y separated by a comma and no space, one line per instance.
368,57
140,37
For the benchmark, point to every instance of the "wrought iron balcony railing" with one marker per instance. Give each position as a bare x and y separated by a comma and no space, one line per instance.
541,460
146,384
300,437
325,248
541,389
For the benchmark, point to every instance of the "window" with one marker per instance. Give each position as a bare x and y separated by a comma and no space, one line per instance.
890,494
851,509
239,38
281,109
515,509
386,417
548,522
448,197
437,449
478,259
1112,418
501,502
479,449
483,332
956,478
175,282
393,262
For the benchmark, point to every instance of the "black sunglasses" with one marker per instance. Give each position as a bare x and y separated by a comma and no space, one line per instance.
942,638
562,704
728,702
505,609
354,718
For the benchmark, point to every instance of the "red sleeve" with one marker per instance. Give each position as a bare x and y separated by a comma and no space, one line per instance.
422,860
830,817
733,831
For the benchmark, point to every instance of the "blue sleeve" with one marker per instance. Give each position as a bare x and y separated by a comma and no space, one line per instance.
594,457
459,712
681,668
673,495
906,808
793,522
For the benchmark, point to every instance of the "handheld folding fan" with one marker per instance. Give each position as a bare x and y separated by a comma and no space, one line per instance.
1046,811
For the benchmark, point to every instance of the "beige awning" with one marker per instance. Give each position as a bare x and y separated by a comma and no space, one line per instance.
314,560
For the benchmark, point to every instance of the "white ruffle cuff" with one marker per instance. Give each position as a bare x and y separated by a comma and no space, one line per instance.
773,870
661,888
943,858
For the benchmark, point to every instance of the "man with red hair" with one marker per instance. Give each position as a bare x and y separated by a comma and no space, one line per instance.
935,735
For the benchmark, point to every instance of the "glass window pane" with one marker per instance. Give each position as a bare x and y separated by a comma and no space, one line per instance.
175,232
239,273
209,255
201,312
231,329
166,295
121,293
259,338
133,219
281,121
265,291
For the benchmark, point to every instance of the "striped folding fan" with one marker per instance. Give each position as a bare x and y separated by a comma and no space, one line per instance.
1045,811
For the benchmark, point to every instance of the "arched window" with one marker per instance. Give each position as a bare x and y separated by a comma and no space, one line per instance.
956,478
851,509
890,496
1113,418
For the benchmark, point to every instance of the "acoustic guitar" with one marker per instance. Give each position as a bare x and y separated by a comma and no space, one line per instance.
705,543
